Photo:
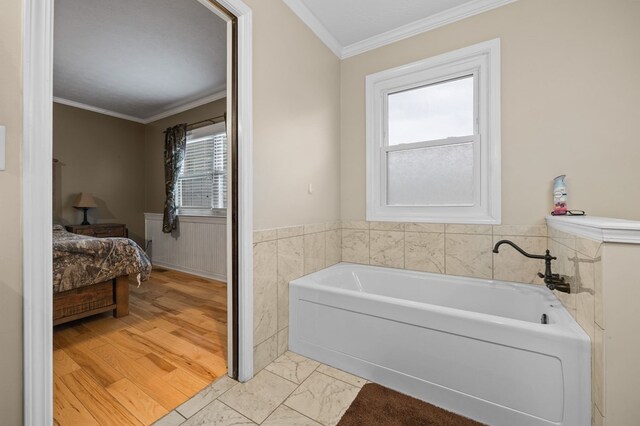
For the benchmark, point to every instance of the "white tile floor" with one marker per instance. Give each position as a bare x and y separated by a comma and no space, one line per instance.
292,390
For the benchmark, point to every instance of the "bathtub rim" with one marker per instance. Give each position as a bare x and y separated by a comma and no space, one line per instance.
564,326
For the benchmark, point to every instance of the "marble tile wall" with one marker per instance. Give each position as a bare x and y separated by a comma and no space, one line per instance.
580,262
279,256
446,248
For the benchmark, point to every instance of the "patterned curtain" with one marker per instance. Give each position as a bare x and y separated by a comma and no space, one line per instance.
175,142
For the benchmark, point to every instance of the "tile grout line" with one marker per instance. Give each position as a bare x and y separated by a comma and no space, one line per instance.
444,249
207,404
315,370
493,255
297,387
236,411
285,398
293,409
277,288
340,380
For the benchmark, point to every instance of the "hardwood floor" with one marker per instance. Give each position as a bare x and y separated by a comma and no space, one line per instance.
135,369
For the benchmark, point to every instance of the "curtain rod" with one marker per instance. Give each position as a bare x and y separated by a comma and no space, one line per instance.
207,120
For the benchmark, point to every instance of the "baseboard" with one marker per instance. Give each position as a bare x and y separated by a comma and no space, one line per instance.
217,277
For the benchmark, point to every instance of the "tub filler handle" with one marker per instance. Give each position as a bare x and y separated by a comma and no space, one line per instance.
553,281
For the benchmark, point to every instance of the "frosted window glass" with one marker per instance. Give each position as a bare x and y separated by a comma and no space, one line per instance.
433,176
437,111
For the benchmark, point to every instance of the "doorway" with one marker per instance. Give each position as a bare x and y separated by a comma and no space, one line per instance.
37,200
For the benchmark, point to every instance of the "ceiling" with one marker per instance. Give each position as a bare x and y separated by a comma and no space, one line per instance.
146,59
351,27
140,59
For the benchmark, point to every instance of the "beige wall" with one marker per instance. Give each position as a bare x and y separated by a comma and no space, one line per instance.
120,162
104,156
617,341
10,216
296,109
570,91
154,195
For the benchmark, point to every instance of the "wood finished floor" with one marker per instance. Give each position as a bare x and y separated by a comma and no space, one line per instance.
135,369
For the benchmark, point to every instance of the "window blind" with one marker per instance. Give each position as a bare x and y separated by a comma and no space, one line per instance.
202,183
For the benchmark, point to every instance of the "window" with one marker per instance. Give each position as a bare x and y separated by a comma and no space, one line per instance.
202,183
433,139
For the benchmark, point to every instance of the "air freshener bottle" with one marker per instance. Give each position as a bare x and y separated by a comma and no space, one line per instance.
559,196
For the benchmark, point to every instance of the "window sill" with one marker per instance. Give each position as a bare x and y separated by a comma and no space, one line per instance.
422,217
218,215
202,213
189,218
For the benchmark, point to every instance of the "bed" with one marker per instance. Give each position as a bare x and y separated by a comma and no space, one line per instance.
91,275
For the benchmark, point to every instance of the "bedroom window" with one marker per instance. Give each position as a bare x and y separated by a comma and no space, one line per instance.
202,183
433,139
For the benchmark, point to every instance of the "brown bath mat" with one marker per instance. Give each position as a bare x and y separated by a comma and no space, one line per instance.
377,405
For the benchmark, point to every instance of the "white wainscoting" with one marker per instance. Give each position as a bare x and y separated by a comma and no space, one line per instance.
200,248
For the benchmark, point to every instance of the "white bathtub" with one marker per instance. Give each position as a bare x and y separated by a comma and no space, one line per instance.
475,347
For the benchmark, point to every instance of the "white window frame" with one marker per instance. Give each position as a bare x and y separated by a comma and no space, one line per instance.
199,133
483,61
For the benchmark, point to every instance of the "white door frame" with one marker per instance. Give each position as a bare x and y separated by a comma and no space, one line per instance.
37,203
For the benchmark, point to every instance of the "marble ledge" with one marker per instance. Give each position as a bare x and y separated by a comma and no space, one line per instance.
604,229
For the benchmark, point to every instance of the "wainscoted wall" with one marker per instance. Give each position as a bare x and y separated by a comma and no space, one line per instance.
446,248
279,256
200,249
580,262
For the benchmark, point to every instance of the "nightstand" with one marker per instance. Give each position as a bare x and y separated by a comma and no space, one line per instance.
100,230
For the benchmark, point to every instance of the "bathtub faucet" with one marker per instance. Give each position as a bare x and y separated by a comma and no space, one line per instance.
553,281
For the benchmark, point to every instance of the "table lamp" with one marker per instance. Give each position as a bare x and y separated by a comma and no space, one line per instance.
85,202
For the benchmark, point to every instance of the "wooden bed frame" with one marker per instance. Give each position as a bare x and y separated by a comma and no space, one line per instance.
112,295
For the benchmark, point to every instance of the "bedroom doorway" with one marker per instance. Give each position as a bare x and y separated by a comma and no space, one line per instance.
140,122
38,408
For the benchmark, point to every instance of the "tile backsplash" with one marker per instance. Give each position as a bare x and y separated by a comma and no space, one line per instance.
446,248
580,262
279,256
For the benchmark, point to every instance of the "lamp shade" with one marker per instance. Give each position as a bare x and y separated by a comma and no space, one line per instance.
85,200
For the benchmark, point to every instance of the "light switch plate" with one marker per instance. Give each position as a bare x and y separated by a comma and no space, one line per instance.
2,147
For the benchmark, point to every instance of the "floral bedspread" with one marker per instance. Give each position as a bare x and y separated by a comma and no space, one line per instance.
80,261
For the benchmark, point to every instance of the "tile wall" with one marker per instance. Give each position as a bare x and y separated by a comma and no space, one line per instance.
580,262
279,256
446,248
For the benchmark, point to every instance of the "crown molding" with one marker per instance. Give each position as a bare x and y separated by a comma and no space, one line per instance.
185,107
91,108
445,17
181,108
429,23
605,229
315,25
